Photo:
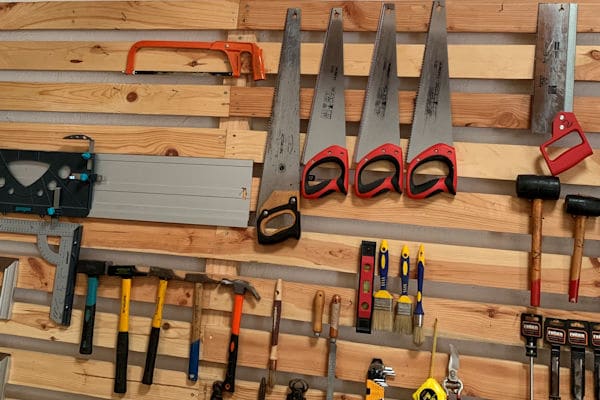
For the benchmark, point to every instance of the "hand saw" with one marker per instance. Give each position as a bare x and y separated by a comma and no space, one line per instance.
554,80
279,187
431,135
379,132
326,136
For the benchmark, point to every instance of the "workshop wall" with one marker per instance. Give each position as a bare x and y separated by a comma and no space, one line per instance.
61,69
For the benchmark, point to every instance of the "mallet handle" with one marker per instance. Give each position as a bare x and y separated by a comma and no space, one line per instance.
536,252
578,235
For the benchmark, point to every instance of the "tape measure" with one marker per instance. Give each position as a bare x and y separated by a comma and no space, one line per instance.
431,389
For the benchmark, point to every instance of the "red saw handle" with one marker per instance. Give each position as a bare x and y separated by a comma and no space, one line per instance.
564,124
438,152
233,51
386,152
333,154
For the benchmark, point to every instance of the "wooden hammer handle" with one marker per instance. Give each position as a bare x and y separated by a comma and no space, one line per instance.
536,252
579,236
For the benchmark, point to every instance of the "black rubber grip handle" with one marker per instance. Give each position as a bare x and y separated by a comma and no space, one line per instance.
229,382
87,332
292,231
121,364
151,356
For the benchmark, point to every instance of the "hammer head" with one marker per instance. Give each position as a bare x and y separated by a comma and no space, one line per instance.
241,287
124,271
582,205
162,273
199,278
93,267
538,187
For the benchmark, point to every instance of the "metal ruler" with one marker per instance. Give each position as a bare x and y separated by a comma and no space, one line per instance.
9,281
554,70
65,260
186,190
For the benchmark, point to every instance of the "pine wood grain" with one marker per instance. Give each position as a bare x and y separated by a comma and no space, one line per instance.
475,160
468,109
187,100
466,61
94,378
210,14
413,16
165,141
352,362
488,322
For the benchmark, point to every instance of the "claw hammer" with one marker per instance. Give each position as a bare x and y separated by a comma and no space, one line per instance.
240,287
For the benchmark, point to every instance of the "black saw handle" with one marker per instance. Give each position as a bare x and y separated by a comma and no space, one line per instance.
278,204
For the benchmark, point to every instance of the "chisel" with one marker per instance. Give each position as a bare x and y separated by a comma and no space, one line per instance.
334,319
531,330
577,337
594,343
555,334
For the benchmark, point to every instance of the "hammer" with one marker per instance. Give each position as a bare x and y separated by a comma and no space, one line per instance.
537,188
196,336
239,289
126,272
581,207
164,275
93,269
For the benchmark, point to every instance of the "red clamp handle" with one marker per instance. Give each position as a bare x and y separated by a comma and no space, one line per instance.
233,50
391,153
438,152
564,124
333,154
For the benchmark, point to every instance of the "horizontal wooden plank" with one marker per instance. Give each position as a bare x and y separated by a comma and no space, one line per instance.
474,160
412,16
117,139
466,61
488,322
304,355
468,109
95,378
164,14
187,100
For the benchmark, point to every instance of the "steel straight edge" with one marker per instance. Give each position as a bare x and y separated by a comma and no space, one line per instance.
186,190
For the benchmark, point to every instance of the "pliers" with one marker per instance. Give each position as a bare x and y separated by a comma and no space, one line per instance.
452,384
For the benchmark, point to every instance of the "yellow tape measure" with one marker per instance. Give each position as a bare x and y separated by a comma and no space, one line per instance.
431,389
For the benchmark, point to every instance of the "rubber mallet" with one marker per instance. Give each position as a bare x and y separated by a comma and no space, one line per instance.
537,188
581,207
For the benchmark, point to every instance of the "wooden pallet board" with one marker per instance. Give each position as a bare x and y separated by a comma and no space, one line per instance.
485,61
210,14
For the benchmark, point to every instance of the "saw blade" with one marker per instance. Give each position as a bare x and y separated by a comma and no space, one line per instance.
554,70
380,122
432,121
282,154
327,124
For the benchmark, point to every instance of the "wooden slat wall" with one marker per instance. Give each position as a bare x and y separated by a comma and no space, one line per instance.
491,260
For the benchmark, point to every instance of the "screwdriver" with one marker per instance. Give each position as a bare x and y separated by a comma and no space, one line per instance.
531,330
431,389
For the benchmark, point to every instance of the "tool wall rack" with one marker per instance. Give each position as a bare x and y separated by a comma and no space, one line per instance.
58,80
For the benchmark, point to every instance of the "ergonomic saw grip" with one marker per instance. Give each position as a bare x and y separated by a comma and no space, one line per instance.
387,152
288,205
438,152
333,154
